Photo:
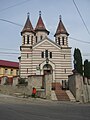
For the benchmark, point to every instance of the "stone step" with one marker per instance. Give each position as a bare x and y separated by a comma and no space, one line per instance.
62,97
71,97
60,94
56,85
53,95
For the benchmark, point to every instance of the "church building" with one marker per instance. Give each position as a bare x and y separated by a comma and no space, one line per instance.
40,55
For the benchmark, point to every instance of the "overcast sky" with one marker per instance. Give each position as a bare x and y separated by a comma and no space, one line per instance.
16,11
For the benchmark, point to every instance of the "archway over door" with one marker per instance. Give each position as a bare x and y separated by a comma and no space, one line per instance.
47,69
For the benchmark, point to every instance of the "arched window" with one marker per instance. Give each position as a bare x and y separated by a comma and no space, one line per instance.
56,40
66,40
27,39
27,70
46,53
27,55
36,39
11,71
50,54
6,71
41,37
59,40
65,70
42,54
17,72
23,39
32,40
64,56
62,40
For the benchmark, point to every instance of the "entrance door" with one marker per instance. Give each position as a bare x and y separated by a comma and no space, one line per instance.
46,72
47,69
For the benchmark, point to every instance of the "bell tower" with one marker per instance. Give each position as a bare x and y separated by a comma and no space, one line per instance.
28,33
61,35
40,29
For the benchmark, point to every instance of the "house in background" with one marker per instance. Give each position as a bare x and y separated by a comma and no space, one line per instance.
8,70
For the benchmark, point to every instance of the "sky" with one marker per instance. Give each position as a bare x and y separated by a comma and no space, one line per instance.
16,11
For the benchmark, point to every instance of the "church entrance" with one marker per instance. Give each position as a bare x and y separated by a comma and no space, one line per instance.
46,72
47,69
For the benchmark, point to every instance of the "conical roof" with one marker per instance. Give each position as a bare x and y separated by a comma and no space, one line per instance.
28,26
40,24
61,29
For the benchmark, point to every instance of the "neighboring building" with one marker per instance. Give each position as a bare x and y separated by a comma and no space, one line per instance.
40,55
8,69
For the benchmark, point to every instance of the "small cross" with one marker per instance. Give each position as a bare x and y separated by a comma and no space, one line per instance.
28,14
60,17
39,13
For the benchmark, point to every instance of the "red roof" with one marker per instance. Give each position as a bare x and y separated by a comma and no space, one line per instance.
61,29
28,26
40,25
5,63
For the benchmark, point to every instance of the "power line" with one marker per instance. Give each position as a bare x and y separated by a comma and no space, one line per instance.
11,22
51,33
81,18
9,53
9,49
9,56
15,55
30,0
17,4
87,54
82,41
79,40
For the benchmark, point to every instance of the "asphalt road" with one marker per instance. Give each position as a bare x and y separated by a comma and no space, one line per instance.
42,110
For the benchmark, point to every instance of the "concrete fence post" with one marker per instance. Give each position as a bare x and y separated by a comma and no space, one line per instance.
48,86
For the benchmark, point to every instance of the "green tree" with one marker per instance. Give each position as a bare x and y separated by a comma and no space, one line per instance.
78,61
87,68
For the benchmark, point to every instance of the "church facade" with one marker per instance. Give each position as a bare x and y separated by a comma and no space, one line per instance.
40,55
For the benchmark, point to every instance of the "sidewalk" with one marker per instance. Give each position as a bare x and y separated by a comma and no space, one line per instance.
20,100
8,99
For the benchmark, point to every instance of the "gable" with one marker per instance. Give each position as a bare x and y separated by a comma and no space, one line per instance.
47,43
